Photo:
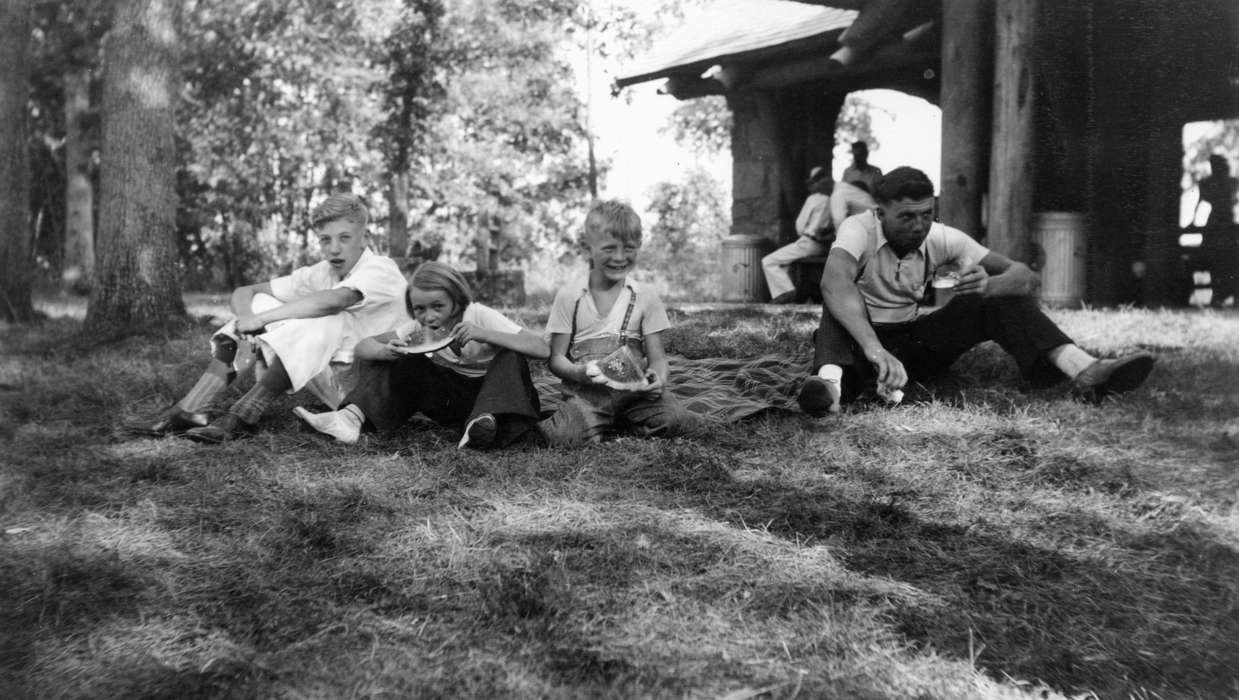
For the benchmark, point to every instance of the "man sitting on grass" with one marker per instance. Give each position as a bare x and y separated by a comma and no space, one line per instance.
875,282
298,330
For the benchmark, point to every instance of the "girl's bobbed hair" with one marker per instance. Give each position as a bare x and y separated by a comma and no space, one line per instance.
434,275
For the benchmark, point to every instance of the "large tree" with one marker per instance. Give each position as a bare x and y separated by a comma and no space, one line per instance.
14,163
137,280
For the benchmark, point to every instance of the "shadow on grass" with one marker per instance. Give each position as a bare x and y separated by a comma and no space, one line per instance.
1161,617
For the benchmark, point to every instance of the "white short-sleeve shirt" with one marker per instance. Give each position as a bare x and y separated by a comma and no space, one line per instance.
892,287
376,277
475,357
648,314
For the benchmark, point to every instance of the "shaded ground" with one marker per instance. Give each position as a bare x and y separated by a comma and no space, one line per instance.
979,541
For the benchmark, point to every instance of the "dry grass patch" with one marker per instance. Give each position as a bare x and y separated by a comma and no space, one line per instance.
983,540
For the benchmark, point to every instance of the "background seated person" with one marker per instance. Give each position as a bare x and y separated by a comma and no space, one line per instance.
875,327
813,235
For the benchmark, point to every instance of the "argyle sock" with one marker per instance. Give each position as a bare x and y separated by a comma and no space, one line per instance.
250,407
214,380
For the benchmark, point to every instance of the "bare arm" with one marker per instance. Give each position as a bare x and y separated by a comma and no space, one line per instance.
313,305
998,276
242,299
375,348
523,341
844,302
657,369
561,366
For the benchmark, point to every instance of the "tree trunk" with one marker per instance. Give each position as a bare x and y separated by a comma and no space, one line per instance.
15,233
79,258
1011,154
398,219
967,62
137,282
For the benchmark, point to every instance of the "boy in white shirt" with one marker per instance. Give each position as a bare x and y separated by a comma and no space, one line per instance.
590,319
298,330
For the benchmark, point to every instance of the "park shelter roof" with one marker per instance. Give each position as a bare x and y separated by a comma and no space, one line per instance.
731,30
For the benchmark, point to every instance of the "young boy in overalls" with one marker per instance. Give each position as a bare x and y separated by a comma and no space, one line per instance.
590,319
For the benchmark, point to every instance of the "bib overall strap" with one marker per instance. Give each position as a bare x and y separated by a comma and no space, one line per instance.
572,335
632,301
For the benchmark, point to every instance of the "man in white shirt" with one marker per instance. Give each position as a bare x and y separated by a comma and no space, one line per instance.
297,330
814,232
877,330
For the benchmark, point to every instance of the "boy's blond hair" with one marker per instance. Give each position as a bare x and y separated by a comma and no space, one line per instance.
611,217
341,205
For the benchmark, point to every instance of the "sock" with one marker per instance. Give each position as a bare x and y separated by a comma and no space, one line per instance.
249,408
353,412
1071,359
831,373
215,379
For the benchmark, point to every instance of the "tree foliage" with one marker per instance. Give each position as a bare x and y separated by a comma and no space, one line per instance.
691,217
702,124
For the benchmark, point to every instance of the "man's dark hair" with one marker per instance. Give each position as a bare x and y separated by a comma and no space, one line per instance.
904,183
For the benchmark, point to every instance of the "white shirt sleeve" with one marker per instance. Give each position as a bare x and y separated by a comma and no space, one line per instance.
853,236
490,319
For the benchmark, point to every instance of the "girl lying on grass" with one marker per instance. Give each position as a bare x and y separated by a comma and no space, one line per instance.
457,362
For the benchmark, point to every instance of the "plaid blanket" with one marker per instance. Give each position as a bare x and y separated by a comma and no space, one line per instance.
721,388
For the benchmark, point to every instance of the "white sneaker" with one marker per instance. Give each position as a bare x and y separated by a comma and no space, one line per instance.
479,433
342,425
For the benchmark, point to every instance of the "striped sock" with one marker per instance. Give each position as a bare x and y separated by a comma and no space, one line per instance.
250,407
215,379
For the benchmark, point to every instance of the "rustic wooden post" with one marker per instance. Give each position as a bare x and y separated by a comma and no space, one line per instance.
967,60
1011,153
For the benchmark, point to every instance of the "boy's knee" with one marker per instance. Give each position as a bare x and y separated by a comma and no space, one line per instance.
573,424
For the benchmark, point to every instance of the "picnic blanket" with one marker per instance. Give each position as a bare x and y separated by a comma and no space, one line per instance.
720,388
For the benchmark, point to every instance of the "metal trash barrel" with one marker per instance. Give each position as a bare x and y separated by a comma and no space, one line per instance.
1061,236
743,279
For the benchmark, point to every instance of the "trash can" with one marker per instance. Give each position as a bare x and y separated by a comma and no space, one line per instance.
1061,237
743,279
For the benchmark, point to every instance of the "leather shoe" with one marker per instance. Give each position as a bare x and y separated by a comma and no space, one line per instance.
227,427
1109,377
819,397
172,419
785,298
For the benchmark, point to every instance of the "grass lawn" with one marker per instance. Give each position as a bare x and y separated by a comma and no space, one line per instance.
978,541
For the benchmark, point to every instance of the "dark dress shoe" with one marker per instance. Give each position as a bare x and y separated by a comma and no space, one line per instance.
173,419
1109,377
227,427
786,298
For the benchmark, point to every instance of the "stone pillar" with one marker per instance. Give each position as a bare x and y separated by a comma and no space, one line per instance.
754,166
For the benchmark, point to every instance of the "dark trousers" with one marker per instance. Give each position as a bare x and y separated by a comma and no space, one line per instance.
1220,249
389,393
929,345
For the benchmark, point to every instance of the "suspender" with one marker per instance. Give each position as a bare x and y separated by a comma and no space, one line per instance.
623,334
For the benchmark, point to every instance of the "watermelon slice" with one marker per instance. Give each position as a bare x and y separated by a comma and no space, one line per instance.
621,370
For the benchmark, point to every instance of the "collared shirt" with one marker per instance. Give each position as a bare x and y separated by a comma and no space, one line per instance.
475,357
376,277
648,315
814,215
892,287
